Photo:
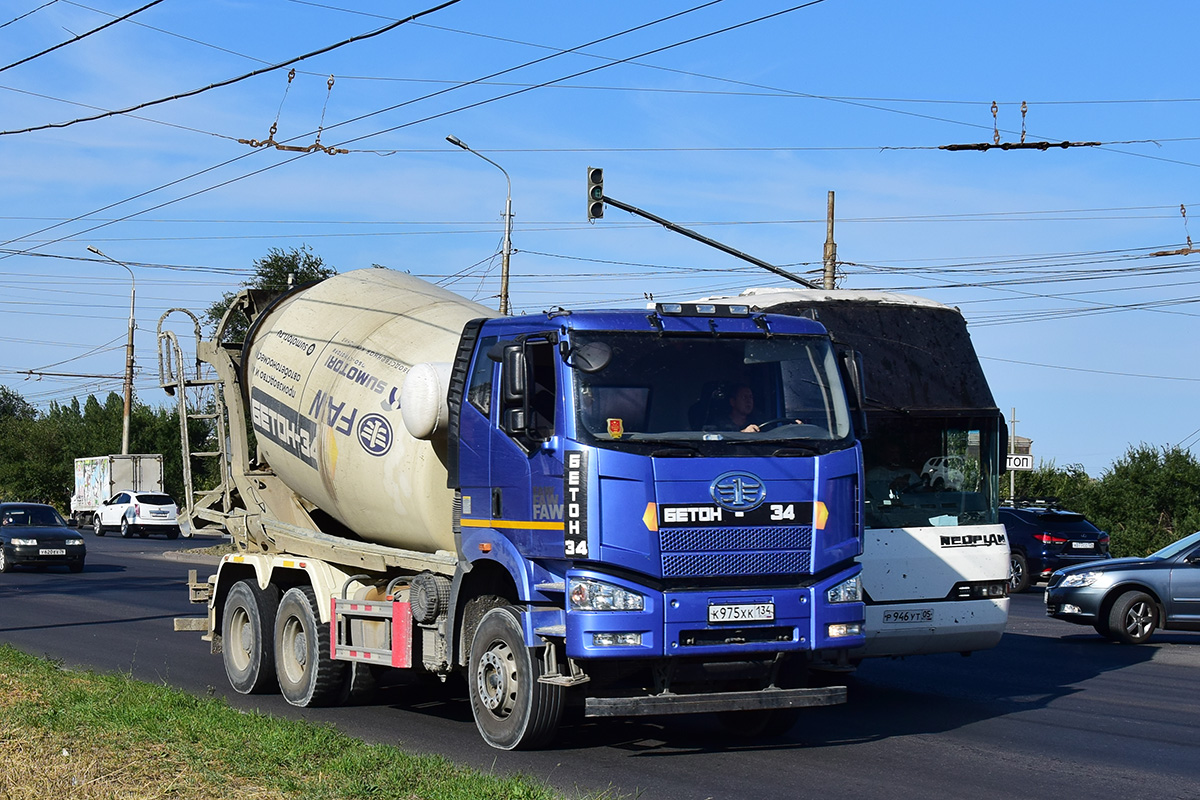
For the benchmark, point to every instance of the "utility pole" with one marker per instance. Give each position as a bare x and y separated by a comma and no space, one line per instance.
1012,448
128,351
830,246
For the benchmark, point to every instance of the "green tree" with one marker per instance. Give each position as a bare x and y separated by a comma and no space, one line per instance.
1147,499
275,272
1070,484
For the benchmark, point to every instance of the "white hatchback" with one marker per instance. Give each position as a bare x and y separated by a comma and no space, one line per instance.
142,513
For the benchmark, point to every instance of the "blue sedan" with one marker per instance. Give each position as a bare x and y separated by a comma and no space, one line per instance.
1127,599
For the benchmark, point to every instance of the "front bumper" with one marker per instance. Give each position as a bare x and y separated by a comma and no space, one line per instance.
921,628
1079,604
675,623
35,555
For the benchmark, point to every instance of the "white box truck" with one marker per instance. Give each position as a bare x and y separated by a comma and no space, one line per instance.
100,477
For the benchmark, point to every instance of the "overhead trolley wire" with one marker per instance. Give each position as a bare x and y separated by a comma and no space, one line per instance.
108,24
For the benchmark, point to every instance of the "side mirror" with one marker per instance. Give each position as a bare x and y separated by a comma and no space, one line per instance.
514,381
851,369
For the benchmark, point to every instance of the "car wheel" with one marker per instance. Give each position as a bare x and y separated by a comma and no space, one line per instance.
126,531
76,566
247,640
1133,618
1018,573
307,673
938,484
172,533
513,710
5,564
143,533
97,527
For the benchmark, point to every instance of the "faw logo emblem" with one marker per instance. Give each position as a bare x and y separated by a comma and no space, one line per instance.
375,434
738,491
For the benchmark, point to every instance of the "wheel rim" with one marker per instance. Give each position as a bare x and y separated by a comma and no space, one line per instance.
3,559
1139,620
496,677
241,633
1018,573
295,650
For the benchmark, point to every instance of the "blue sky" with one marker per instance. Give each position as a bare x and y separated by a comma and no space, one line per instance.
697,113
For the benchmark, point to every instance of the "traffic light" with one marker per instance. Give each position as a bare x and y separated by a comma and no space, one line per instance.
595,202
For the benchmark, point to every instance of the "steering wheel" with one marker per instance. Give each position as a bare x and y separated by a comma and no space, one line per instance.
775,423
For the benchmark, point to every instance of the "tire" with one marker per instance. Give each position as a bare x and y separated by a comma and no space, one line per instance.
1018,573
97,528
307,675
247,640
512,709
5,564
1133,618
173,533
126,530
142,534
76,566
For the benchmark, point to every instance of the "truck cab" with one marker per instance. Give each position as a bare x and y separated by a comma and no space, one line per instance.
597,465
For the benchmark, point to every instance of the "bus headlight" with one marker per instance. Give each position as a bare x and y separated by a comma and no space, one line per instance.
589,594
848,591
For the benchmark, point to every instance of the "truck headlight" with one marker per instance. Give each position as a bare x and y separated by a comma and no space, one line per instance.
848,591
588,594
24,542
1082,579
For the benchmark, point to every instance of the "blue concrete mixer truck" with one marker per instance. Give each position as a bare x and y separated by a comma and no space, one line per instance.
571,507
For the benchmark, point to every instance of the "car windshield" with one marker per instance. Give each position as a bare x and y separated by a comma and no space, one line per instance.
31,516
664,388
1175,548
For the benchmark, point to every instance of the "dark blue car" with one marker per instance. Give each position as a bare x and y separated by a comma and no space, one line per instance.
35,535
1126,599
1043,537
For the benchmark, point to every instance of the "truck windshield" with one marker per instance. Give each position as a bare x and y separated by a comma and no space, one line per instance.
664,388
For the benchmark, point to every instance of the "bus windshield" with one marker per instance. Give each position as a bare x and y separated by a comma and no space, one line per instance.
931,471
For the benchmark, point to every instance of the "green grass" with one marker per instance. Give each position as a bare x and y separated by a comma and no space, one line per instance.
89,735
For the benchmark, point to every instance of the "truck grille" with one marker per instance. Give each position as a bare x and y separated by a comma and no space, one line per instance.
718,552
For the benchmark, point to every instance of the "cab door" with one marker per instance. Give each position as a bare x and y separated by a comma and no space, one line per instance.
526,470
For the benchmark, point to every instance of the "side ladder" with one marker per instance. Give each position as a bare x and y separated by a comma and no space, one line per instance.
210,507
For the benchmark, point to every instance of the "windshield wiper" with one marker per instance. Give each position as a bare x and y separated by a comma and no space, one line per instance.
795,451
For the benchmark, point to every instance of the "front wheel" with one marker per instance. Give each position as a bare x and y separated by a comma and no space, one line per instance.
513,710
126,530
1018,574
76,566
307,673
1133,618
97,527
5,564
247,641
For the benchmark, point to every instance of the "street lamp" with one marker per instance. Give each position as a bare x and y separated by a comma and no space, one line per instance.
128,351
507,251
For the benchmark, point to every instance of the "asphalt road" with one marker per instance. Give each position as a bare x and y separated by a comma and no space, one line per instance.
1053,711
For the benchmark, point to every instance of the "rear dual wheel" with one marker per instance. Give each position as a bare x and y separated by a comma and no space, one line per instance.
307,673
247,637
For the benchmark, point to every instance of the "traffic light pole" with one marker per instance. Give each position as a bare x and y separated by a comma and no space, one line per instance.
724,248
